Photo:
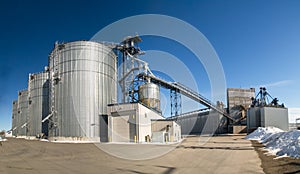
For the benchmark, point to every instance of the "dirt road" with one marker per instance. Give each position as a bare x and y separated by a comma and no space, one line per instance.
221,154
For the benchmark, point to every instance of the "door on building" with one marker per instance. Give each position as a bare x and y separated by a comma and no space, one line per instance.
104,128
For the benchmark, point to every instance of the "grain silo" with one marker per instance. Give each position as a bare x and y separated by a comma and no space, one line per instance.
38,88
14,117
149,95
22,113
83,77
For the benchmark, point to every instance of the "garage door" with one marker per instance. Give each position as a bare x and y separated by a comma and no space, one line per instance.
121,129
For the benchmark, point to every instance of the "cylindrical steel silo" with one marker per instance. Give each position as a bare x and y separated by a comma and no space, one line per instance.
14,117
38,88
22,113
149,94
83,77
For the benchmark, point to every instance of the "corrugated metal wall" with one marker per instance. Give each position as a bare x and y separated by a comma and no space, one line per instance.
202,123
83,78
14,117
149,94
38,87
22,113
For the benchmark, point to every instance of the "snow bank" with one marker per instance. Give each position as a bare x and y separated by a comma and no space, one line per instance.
45,140
278,142
3,139
263,133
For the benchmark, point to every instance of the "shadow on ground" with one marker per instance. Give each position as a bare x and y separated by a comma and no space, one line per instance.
168,170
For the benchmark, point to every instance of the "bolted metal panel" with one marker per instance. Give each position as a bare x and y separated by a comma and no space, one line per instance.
22,113
83,76
275,116
14,117
149,94
38,86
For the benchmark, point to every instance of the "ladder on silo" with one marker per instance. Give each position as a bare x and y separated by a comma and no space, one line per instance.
54,78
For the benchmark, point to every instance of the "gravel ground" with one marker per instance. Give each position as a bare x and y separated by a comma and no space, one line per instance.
220,154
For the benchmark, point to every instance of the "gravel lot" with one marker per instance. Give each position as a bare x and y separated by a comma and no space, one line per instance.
220,154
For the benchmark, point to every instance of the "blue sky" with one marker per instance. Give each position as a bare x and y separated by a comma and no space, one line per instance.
258,42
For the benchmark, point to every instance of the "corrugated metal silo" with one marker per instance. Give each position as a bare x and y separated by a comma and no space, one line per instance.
38,86
83,77
149,94
14,117
22,113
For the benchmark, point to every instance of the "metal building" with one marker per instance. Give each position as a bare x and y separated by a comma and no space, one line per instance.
239,97
267,116
38,88
83,76
266,111
14,117
202,122
238,102
22,113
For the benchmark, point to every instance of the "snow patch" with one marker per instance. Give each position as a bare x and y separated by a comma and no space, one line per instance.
45,140
263,132
278,142
3,139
